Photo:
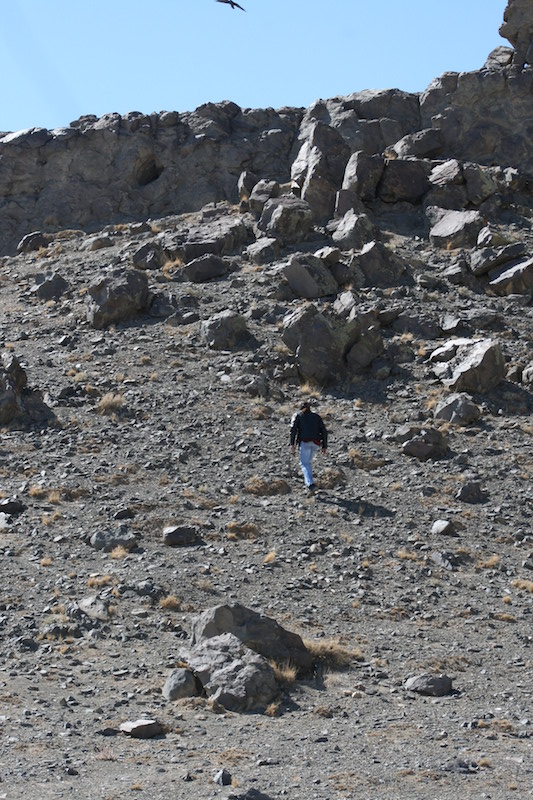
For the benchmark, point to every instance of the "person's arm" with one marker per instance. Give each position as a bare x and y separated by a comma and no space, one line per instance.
294,431
323,436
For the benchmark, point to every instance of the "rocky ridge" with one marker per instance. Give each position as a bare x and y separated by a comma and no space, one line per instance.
153,528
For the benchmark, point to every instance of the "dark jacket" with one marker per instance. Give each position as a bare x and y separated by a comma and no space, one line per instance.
308,427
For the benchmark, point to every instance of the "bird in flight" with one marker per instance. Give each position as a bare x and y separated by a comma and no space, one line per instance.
232,3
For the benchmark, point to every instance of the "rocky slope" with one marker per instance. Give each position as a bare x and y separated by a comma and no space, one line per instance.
150,371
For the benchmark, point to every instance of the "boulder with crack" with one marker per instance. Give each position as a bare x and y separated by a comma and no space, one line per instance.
257,631
231,673
330,349
119,295
225,330
469,365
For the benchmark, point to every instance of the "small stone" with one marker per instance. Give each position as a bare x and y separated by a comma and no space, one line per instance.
142,728
443,527
223,778
432,685
180,535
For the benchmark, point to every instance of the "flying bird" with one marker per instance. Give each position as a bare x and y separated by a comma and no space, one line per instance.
232,3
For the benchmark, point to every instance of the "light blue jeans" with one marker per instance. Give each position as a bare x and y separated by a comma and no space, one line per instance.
308,451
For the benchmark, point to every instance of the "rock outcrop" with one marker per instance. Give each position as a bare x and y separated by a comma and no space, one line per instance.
374,143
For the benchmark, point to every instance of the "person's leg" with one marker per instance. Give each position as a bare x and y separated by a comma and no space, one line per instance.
308,451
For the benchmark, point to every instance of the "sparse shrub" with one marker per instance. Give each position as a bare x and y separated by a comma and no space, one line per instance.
405,555
365,462
110,403
49,519
331,477
266,488
523,585
97,581
285,672
331,653
170,603
37,491
241,530
488,563
119,553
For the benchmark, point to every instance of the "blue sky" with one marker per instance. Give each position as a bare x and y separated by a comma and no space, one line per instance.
63,58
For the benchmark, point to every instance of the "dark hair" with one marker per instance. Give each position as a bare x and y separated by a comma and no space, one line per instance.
306,406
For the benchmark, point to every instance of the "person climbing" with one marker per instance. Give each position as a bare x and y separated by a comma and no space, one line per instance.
309,432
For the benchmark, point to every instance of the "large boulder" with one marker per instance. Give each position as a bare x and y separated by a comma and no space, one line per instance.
16,399
287,219
257,631
489,259
404,181
469,365
377,265
13,381
181,683
308,277
458,408
328,350
362,174
205,268
353,231
319,168
225,330
431,685
515,279
49,286
517,28
119,295
316,343
263,191
231,673
426,143
425,444
457,229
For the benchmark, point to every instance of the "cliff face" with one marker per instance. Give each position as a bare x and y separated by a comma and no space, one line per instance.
133,167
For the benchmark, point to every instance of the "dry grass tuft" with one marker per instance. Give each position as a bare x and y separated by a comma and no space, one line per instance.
270,557
45,561
523,585
323,711
331,653
273,710
110,403
37,491
241,530
119,553
170,603
49,519
405,555
285,672
489,563
365,462
261,412
503,616
330,478
97,581
266,488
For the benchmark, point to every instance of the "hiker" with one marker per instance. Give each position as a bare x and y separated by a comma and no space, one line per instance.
309,432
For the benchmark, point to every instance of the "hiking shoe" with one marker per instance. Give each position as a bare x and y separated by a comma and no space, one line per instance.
311,489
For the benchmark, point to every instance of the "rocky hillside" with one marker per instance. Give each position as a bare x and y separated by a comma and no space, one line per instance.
178,616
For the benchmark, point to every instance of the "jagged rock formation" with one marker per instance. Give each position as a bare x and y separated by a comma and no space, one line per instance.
134,167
